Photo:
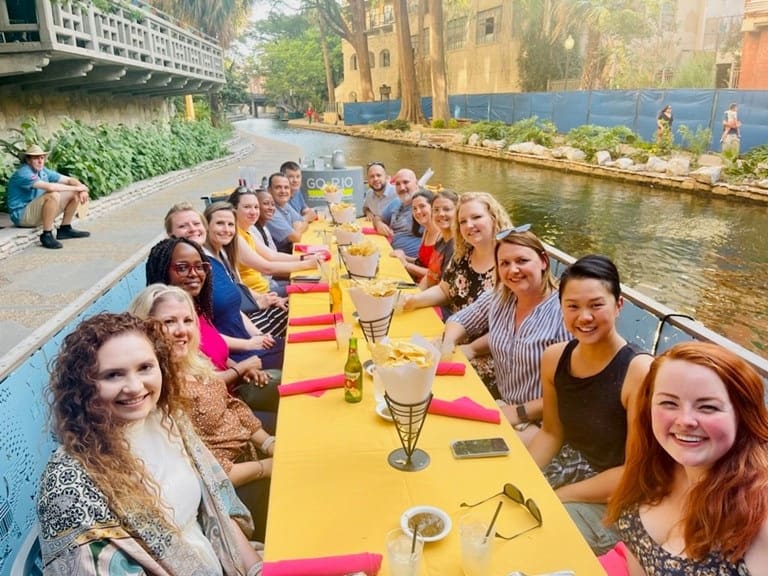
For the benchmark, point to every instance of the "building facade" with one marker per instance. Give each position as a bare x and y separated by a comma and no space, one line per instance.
754,47
481,49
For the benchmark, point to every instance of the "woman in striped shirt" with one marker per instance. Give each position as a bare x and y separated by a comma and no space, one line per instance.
515,323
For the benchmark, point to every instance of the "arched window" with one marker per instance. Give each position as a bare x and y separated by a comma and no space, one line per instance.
384,58
353,96
371,59
353,62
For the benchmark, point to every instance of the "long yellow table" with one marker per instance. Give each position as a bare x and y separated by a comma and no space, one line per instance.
333,491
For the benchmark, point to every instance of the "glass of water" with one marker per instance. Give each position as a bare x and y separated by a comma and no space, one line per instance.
400,559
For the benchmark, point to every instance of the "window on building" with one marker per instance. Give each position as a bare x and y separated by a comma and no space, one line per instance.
384,58
371,60
380,16
353,62
488,25
456,34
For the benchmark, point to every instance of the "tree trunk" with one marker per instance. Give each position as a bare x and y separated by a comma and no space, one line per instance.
410,101
214,102
359,42
590,74
440,109
329,85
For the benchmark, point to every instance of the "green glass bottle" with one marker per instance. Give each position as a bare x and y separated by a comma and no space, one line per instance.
353,374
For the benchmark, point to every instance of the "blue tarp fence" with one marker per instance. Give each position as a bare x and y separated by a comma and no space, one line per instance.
636,109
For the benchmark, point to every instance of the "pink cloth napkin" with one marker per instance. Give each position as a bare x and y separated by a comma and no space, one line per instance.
327,566
451,369
614,562
312,385
306,288
369,230
319,319
321,335
465,408
313,249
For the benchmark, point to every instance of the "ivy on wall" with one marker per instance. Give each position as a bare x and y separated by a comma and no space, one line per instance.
107,158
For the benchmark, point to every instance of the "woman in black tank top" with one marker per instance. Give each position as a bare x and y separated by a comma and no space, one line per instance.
589,384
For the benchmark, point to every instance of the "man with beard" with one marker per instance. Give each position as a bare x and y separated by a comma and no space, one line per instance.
380,191
396,222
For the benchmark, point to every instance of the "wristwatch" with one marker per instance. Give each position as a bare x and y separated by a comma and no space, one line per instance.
522,413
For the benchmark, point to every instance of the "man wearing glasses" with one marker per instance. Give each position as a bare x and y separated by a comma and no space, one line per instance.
380,191
396,222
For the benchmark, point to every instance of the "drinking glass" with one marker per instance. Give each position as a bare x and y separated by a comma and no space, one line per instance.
343,333
476,548
399,557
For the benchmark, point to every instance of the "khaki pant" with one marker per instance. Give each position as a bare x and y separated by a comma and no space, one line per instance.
33,213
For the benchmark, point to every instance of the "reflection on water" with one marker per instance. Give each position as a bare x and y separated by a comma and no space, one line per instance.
702,256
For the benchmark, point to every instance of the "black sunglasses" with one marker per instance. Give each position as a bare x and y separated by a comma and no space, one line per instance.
513,493
375,163
516,230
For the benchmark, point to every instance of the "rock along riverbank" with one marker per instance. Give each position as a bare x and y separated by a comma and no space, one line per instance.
451,140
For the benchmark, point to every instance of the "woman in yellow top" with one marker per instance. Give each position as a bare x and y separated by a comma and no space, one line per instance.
258,263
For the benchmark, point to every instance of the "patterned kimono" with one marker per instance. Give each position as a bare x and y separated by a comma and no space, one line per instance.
80,535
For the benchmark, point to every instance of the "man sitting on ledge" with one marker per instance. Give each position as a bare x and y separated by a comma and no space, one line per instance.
36,195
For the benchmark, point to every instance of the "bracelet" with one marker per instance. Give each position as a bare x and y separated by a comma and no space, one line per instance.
236,371
301,257
260,475
270,441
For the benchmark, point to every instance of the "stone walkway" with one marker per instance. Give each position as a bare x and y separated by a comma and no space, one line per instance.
36,284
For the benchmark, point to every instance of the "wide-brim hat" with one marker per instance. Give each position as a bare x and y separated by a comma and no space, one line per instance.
33,150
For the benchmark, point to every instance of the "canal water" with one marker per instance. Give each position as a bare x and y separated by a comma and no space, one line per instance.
706,257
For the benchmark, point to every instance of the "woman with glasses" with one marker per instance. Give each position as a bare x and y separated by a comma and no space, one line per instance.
181,262
589,386
693,498
421,207
521,318
132,489
226,425
257,262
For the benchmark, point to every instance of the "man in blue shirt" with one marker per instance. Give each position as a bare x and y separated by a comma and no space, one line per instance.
396,221
36,195
286,226
380,191
292,171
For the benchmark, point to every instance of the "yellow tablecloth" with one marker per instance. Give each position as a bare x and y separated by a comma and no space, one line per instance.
333,491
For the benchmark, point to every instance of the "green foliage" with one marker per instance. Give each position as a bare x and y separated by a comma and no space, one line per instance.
532,130
753,164
453,123
486,130
108,158
402,125
438,123
696,72
696,142
591,139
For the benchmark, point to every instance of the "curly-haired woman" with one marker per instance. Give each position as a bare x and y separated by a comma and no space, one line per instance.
693,498
132,489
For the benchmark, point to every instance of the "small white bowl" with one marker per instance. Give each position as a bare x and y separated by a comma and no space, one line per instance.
383,411
447,524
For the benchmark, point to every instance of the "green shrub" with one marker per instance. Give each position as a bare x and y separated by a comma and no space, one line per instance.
397,124
438,123
108,158
453,123
532,130
695,142
486,130
591,139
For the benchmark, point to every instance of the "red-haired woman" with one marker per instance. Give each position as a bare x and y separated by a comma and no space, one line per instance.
693,498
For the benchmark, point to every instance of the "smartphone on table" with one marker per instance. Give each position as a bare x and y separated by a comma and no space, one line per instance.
479,448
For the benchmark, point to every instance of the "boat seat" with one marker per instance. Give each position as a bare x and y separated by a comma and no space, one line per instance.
28,561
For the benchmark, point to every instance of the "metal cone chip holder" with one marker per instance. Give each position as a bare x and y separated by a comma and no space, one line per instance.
374,330
343,258
409,420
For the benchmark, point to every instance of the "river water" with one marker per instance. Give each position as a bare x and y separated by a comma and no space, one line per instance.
706,257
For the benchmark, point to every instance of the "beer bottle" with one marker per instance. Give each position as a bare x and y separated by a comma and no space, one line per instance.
334,290
353,374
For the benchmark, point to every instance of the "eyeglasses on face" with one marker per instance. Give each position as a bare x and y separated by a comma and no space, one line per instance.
515,230
184,268
375,163
513,493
